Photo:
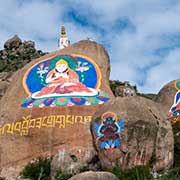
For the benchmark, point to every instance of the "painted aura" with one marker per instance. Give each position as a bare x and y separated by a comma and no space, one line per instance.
63,80
108,131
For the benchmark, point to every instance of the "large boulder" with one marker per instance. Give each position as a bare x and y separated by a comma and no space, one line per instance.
166,95
36,121
133,131
94,176
169,97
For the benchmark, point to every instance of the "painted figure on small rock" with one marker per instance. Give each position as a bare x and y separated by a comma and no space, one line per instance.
109,131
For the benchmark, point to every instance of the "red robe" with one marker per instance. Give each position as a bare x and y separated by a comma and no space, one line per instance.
58,85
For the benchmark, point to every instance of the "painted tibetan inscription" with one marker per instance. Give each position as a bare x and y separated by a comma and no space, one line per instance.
63,80
174,111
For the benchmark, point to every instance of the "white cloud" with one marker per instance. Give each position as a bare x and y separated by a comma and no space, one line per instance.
132,49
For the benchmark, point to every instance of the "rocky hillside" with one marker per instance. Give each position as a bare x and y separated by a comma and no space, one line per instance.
17,53
65,125
14,56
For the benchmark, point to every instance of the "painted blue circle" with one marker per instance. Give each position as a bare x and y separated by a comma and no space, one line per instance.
36,81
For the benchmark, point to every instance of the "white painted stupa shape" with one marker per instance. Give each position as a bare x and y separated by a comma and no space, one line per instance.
63,41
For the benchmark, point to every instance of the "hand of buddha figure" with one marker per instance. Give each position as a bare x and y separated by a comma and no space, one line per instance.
65,75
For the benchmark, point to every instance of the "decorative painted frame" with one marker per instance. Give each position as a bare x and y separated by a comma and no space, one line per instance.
96,96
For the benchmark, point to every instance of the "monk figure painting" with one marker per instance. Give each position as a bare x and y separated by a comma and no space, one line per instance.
63,80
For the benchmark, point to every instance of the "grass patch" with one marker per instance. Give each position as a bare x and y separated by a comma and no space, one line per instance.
39,169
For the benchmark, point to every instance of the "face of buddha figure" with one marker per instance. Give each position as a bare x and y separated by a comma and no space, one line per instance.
61,67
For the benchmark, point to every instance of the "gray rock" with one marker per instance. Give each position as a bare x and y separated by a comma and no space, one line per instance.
90,175
166,95
147,136
29,44
5,76
66,161
14,42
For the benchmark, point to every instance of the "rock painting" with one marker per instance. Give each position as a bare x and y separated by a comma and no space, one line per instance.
174,111
63,80
127,92
108,131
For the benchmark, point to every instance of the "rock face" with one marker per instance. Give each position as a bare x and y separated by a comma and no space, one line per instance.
125,90
17,54
94,176
133,131
5,79
73,164
166,95
122,89
36,122
169,97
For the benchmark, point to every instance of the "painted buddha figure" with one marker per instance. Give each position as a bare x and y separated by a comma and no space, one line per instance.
62,80
175,109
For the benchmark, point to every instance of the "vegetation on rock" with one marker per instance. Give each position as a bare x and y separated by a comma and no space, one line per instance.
63,175
114,84
17,53
38,169
1,178
176,132
136,173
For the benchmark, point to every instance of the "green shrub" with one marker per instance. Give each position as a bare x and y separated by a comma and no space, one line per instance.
173,174
176,132
114,85
136,173
84,169
1,178
38,169
63,175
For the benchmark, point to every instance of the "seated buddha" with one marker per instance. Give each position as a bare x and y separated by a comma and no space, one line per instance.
63,81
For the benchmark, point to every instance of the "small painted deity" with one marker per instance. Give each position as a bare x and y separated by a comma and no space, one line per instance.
175,108
108,132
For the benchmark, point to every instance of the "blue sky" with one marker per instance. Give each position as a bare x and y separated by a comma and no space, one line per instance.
141,37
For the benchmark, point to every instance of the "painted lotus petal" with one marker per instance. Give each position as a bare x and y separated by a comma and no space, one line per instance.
61,101
102,98
27,99
37,102
78,101
93,100
27,103
48,101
